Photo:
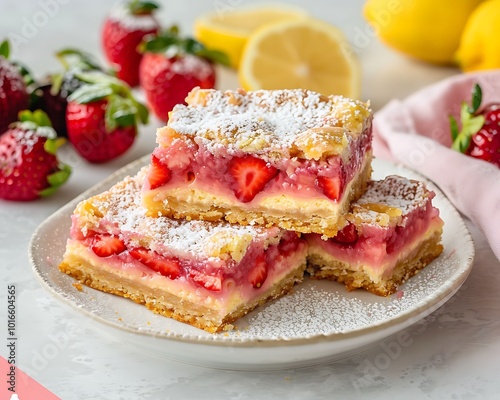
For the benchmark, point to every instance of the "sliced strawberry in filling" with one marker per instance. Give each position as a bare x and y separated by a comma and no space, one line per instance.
212,283
158,174
105,245
169,267
250,175
332,187
258,274
347,235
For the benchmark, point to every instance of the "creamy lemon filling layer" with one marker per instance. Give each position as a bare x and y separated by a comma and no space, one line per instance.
235,289
378,264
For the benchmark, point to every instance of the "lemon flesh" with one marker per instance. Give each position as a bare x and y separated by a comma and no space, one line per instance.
428,30
228,31
480,42
300,54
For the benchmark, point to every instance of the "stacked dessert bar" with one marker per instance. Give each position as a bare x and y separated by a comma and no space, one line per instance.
244,193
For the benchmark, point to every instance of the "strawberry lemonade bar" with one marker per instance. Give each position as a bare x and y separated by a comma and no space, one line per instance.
393,231
201,273
288,158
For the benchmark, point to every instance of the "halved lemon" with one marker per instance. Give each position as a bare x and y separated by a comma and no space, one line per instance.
228,30
303,53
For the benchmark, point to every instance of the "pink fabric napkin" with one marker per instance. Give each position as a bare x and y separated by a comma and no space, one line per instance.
416,133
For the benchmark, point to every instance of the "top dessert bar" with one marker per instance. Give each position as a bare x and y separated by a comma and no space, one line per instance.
288,158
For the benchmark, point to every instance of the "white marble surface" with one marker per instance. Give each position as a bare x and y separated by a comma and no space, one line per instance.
451,354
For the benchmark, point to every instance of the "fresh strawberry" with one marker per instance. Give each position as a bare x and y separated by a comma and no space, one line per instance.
13,93
332,186
480,134
158,174
102,117
347,235
124,29
258,274
169,267
52,93
172,66
250,175
105,245
29,168
209,282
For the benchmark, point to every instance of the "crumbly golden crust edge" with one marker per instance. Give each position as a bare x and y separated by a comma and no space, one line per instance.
168,304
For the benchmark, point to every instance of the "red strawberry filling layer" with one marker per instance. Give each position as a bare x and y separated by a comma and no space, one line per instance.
377,247
248,178
257,271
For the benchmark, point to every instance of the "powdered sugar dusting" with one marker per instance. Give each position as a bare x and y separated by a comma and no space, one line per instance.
121,14
326,308
122,206
275,116
394,191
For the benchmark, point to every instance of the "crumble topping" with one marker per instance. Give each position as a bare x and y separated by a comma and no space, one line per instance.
388,201
272,123
121,206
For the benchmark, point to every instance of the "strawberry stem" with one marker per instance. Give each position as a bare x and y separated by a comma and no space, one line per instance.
471,123
170,40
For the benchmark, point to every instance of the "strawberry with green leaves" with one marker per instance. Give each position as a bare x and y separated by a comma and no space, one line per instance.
480,133
14,95
52,93
102,117
172,66
123,31
29,167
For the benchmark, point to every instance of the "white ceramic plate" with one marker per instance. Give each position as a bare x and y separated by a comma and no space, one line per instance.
318,322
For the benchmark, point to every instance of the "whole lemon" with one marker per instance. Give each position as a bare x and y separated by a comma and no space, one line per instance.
480,42
425,29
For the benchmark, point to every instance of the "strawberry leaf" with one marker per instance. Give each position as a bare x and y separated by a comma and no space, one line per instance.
41,118
51,145
470,126
5,49
158,44
142,7
90,93
58,178
477,97
142,112
453,128
55,180
73,58
25,116
215,56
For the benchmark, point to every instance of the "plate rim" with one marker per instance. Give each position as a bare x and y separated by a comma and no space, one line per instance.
406,318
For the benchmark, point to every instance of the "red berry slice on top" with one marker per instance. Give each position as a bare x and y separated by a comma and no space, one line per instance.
258,274
105,245
347,235
250,176
332,187
169,267
158,173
